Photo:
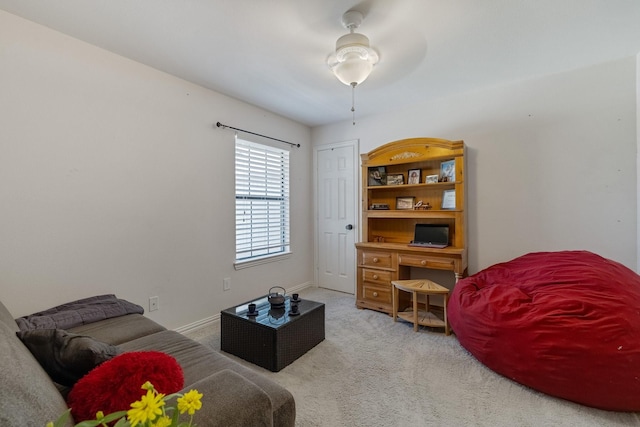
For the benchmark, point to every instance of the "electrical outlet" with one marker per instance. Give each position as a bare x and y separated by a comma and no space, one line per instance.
226,283
154,303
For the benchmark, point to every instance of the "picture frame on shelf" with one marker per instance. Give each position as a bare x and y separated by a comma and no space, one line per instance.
413,176
448,171
377,176
431,179
395,179
449,199
404,203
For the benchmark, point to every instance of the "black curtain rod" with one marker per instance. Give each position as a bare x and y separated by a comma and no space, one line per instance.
220,125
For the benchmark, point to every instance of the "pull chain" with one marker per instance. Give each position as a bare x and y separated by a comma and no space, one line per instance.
353,102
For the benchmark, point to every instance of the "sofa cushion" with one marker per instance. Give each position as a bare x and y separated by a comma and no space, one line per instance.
117,383
66,357
199,361
231,400
119,329
28,397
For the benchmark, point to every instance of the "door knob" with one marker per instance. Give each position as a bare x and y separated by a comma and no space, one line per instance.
349,227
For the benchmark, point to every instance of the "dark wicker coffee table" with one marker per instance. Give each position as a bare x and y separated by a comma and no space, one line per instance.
274,338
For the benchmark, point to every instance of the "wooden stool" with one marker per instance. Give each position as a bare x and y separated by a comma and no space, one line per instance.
426,318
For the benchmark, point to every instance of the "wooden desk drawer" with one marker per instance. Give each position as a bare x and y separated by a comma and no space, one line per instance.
376,259
379,277
377,294
426,262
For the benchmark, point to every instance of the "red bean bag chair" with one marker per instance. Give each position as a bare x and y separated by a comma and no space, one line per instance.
564,323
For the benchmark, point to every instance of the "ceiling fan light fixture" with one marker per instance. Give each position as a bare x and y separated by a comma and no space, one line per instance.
354,59
352,43
352,71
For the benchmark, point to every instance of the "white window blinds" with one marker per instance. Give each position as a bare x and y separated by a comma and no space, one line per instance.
262,200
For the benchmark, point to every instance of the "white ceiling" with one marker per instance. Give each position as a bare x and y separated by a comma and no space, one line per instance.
272,53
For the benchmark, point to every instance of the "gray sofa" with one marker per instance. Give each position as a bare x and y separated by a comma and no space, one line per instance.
233,394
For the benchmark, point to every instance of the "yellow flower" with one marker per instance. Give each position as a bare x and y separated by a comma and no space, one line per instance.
150,411
163,421
147,408
190,402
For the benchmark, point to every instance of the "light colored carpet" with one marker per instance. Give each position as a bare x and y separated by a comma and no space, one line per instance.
370,371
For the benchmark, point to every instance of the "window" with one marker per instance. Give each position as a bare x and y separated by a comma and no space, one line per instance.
262,201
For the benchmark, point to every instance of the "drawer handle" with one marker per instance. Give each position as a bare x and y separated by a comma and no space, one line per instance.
375,260
375,277
423,262
375,294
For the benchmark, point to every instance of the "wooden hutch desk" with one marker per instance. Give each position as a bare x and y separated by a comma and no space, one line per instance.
384,254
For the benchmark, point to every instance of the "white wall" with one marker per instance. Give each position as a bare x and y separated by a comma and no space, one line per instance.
551,162
114,179
638,154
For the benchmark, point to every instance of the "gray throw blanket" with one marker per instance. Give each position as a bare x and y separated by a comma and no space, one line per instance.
79,312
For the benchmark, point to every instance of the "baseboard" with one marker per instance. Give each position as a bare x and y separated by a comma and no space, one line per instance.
202,323
298,288
209,321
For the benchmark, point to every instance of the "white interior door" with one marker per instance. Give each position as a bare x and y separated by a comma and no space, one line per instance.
337,229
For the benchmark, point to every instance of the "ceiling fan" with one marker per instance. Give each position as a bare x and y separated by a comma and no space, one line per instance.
354,58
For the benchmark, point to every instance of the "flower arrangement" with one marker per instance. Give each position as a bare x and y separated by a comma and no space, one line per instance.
150,411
